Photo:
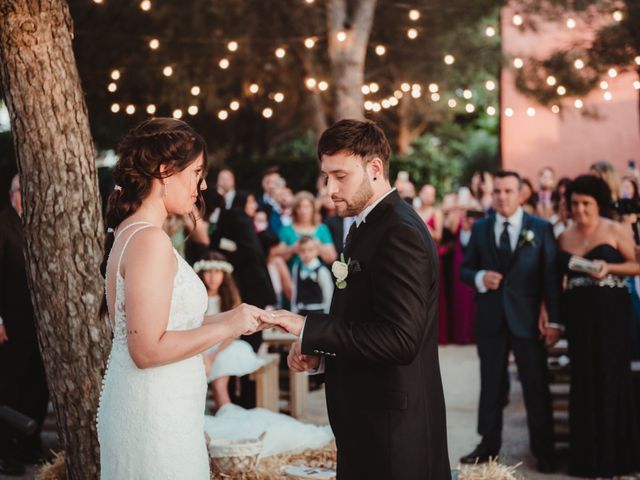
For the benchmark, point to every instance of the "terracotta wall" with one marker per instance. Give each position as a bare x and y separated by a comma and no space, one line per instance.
568,141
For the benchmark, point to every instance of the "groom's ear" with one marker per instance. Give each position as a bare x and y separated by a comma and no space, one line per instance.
376,167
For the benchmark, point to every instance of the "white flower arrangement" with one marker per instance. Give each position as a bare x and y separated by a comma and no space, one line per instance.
340,270
527,237
220,265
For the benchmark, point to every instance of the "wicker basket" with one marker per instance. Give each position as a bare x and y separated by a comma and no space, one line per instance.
235,456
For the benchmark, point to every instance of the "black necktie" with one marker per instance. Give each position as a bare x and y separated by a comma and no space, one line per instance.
504,246
352,229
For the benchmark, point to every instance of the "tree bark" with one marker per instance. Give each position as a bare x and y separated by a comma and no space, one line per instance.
62,218
348,57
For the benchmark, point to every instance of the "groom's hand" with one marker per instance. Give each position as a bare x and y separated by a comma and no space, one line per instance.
291,322
298,362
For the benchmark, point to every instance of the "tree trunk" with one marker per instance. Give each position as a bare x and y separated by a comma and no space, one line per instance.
62,219
347,56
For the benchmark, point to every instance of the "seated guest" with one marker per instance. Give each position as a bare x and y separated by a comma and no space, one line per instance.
596,309
305,221
230,357
544,204
312,281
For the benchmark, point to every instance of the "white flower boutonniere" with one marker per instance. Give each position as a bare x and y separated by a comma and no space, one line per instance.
527,237
340,270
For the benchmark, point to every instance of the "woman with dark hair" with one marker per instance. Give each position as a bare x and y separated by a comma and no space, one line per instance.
151,414
596,310
528,198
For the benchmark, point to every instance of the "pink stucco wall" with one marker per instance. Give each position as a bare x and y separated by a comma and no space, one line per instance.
567,141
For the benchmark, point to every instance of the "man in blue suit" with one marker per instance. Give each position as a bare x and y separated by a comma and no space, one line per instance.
511,261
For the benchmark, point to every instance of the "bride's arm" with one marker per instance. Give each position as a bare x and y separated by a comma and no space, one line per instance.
150,269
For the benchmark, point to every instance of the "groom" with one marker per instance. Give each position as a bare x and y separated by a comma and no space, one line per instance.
378,346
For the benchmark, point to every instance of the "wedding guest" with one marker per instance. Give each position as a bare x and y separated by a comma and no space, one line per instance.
230,357
561,218
226,185
23,384
261,220
312,280
528,197
596,309
544,207
305,218
271,180
482,188
608,173
277,267
430,213
511,261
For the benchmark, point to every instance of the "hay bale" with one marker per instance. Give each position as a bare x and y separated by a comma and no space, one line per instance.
489,471
53,471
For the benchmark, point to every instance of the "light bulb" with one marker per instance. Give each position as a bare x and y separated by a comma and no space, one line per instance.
223,115
177,113
267,113
115,74
195,90
467,94
433,87
310,83
452,103
167,71
517,20
151,109
571,23
490,85
374,87
309,42
280,52
604,84
112,87
341,36
380,50
365,89
613,73
449,59
224,63
145,5
531,111
232,46
405,87
115,108
412,33
518,63
491,111
579,64
254,88
234,105
607,96
435,97
555,109
490,32
154,44
278,97
193,110
508,112
322,86
414,14
617,16
469,107
131,109
551,80
561,90
578,103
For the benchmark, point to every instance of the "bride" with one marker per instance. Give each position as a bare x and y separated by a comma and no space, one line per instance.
151,414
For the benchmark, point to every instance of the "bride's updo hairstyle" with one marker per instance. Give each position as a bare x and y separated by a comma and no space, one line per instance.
142,151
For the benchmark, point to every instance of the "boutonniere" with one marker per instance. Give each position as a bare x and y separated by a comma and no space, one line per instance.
527,237
340,270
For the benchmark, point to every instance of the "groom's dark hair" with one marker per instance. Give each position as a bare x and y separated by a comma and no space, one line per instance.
358,137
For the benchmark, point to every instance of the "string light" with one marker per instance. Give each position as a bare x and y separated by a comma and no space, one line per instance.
112,87
232,46
115,108
617,16
517,20
508,112
490,85
280,52
555,109
561,90
414,15
341,36
380,50
322,86
223,115
310,83
398,94
99,2
374,87
449,59
491,111
151,109
115,74
267,113
393,101
579,64
254,88
167,71
309,1
309,42
613,73
412,33
234,105
571,23
636,84
279,97
433,88
145,5
368,105
578,103
405,87
385,103
452,103
131,109
416,93
531,111
551,80
365,89
376,107
470,108
193,110
604,84
518,63
435,97
224,63
467,94
154,44
637,60
490,31
607,96
195,90
177,113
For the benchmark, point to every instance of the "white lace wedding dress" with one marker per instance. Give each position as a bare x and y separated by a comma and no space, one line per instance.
151,421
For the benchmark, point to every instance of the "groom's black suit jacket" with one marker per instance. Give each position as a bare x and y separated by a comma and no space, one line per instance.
380,344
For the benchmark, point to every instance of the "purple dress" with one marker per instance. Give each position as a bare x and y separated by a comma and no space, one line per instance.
464,305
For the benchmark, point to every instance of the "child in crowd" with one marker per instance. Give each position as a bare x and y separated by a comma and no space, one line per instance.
312,281
230,357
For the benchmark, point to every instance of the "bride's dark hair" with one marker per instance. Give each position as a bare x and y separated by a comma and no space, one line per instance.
142,151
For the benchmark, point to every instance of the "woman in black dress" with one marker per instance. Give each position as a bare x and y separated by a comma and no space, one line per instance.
596,309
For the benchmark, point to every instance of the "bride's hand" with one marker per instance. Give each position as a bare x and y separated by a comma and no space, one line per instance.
244,319
290,322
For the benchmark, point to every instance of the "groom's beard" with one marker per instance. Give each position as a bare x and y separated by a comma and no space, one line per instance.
358,202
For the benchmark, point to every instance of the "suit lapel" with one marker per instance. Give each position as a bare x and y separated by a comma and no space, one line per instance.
526,225
378,211
491,238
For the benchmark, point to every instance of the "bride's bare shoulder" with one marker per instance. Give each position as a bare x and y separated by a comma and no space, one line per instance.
150,243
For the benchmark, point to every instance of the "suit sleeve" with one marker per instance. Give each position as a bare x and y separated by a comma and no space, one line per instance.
551,277
471,262
2,274
403,274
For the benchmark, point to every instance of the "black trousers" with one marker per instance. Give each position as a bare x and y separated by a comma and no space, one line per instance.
23,387
531,359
